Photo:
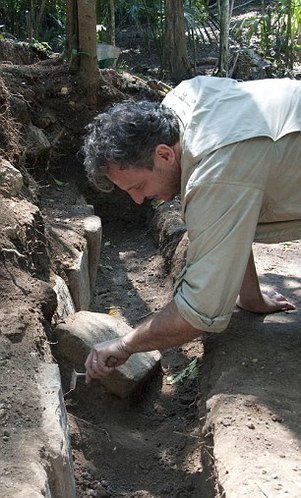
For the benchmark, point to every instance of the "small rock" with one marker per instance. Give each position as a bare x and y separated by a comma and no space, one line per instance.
11,180
250,425
276,418
104,483
91,492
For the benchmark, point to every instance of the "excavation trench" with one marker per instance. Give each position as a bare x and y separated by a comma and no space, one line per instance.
149,445
198,437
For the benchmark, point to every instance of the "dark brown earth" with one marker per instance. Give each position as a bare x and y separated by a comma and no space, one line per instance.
146,446
154,445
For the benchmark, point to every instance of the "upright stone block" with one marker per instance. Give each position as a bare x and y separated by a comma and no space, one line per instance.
79,280
93,234
65,304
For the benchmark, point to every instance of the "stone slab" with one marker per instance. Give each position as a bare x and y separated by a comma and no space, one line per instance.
80,331
54,424
38,461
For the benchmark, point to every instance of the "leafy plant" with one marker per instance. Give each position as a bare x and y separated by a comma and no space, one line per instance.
148,16
190,372
44,14
276,32
202,25
202,22
43,46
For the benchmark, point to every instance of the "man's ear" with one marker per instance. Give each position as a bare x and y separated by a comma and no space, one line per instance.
164,153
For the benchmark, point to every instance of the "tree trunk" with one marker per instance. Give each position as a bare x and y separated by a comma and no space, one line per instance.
225,12
81,44
112,17
40,19
71,46
175,51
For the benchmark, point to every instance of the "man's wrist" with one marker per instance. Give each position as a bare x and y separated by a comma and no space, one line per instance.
125,346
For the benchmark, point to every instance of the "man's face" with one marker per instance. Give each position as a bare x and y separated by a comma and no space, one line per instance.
162,182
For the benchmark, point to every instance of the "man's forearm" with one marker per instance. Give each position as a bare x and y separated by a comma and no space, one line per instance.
163,330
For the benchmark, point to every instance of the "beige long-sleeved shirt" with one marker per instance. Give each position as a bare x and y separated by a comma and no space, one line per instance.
241,181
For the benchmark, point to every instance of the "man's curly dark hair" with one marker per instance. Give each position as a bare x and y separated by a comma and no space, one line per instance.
127,135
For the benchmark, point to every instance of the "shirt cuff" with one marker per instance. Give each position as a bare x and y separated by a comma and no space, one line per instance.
199,321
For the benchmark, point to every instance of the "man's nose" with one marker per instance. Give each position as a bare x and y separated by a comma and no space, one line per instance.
137,197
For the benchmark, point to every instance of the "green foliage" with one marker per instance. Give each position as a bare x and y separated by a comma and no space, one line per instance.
34,20
295,24
200,19
276,31
190,372
43,46
148,17
2,33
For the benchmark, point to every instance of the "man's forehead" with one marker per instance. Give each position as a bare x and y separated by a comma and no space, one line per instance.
126,178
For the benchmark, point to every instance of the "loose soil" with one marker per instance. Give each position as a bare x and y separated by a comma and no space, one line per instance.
147,446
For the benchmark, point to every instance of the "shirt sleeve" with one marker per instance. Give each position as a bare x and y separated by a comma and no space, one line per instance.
221,220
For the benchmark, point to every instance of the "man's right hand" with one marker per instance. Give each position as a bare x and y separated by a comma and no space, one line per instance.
104,357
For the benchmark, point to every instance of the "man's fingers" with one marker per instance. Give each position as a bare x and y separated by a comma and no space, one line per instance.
96,368
104,358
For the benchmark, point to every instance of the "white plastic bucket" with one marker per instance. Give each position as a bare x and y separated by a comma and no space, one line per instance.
107,55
